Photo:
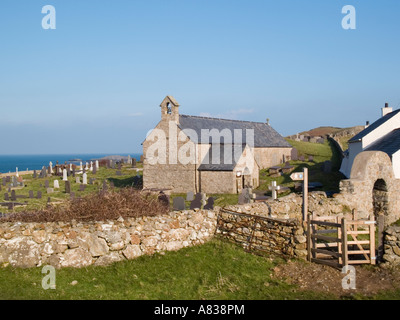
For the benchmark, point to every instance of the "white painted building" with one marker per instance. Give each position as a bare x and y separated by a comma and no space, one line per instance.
382,135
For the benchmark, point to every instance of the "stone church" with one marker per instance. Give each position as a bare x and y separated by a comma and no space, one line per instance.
201,154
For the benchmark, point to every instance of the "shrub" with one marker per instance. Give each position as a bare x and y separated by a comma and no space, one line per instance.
127,202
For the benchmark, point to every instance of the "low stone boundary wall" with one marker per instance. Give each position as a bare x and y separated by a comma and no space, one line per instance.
80,244
262,234
391,245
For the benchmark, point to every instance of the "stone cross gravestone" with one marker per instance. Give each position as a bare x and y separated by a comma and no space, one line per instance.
274,188
178,204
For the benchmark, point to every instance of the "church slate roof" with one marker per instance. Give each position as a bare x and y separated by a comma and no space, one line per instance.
373,126
264,134
389,143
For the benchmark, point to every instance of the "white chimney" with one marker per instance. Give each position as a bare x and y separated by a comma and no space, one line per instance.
386,109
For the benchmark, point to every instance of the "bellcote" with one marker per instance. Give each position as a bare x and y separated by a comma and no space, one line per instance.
170,109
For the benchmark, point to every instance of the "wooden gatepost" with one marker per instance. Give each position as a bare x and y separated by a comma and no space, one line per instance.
338,241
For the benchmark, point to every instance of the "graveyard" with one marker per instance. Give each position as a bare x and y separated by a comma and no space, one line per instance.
41,188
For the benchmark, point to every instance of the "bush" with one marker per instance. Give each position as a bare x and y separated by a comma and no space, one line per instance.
110,205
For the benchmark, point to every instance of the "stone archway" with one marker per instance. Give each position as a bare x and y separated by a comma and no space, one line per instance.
380,204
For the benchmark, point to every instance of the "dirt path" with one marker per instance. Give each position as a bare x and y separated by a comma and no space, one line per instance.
319,278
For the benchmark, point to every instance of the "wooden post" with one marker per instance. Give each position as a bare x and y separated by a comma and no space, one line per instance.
344,242
339,236
305,193
308,238
372,253
381,222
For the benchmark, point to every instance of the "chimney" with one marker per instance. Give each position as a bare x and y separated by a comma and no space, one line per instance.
267,121
386,109
366,124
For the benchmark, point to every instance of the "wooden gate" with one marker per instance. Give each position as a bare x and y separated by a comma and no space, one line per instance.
338,241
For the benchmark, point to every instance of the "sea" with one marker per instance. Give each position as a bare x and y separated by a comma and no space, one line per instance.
9,163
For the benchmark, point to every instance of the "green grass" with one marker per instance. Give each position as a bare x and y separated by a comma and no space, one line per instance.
320,153
213,271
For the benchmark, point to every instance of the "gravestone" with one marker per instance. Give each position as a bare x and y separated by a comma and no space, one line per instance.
56,184
190,196
67,187
210,204
14,182
6,197
105,187
163,199
178,204
65,175
72,195
39,195
310,158
4,182
95,170
78,180
8,179
50,190
31,196
119,165
84,178
133,163
82,187
197,202
97,165
245,196
73,172
46,184
274,188
91,180
294,154
13,196
301,158
34,174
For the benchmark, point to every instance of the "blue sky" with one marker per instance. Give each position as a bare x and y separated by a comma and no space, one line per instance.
94,84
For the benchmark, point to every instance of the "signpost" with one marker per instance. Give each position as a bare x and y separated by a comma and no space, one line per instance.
302,176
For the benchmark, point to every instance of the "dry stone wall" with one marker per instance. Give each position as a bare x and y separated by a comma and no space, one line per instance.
392,246
79,244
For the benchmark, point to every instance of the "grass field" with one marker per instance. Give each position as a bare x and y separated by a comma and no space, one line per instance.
214,271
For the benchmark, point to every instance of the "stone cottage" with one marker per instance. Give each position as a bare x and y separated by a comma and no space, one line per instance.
191,153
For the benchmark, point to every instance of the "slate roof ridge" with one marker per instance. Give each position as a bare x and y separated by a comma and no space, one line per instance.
222,119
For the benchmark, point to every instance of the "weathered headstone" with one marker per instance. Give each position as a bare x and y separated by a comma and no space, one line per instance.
46,184
163,199
4,182
133,163
72,195
91,180
78,180
82,187
8,179
56,184
84,178
190,196
294,154
13,196
65,175
94,170
210,204
301,158
39,194
34,174
97,164
67,186
31,196
178,204
6,197
197,202
245,196
50,190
